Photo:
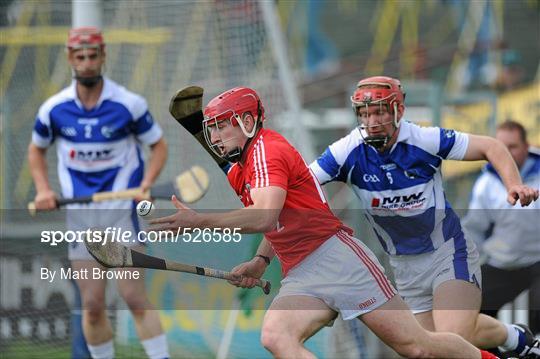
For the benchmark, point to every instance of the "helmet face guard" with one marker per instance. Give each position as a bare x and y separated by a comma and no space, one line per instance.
215,124
384,92
229,109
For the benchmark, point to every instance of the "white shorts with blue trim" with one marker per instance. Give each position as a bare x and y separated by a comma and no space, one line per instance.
119,214
417,276
344,274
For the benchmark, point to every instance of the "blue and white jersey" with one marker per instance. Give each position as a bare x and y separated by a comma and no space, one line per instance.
98,149
506,234
400,189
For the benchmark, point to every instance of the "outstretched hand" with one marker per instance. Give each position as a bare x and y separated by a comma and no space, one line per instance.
184,217
525,194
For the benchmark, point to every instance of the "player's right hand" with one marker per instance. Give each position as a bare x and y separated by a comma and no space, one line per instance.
248,273
45,200
145,192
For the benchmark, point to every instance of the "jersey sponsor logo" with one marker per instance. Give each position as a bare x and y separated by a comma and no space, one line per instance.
411,201
388,167
68,131
91,155
367,303
88,121
370,178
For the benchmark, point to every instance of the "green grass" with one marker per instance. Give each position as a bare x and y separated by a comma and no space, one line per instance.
23,349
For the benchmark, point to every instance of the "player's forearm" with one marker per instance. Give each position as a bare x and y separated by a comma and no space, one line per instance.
503,162
249,220
156,163
265,249
494,151
38,167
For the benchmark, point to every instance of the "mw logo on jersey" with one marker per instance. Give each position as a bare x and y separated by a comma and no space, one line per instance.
91,155
413,200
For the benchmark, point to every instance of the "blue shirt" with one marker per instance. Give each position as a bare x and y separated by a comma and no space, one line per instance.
98,149
401,188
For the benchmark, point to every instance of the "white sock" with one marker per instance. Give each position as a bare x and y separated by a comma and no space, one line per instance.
512,338
156,347
102,351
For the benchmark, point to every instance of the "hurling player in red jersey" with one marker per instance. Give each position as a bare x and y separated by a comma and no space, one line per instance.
326,270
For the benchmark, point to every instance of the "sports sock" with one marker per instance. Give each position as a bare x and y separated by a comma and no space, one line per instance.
156,347
512,338
102,351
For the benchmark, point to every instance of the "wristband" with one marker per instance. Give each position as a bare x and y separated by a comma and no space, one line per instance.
266,259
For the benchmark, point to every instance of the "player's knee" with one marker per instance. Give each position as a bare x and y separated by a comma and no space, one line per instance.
465,333
137,306
409,347
269,339
464,330
134,296
274,339
95,314
94,304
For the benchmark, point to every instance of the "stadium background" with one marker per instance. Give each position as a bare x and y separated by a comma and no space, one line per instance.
464,64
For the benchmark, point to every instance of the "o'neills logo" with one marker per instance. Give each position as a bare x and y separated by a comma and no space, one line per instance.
367,303
411,201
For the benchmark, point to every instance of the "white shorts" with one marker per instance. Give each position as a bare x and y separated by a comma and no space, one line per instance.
118,214
344,274
417,276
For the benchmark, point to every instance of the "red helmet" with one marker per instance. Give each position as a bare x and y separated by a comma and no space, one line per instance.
233,104
376,90
85,37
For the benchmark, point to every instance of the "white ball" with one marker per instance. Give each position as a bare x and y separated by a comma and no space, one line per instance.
145,209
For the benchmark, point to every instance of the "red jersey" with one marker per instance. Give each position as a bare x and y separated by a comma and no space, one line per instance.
306,221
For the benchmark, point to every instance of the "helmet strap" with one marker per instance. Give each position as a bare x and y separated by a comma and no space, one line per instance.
377,141
88,82
397,122
250,134
234,155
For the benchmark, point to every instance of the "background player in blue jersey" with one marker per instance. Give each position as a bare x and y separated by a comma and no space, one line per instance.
98,127
393,166
507,237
